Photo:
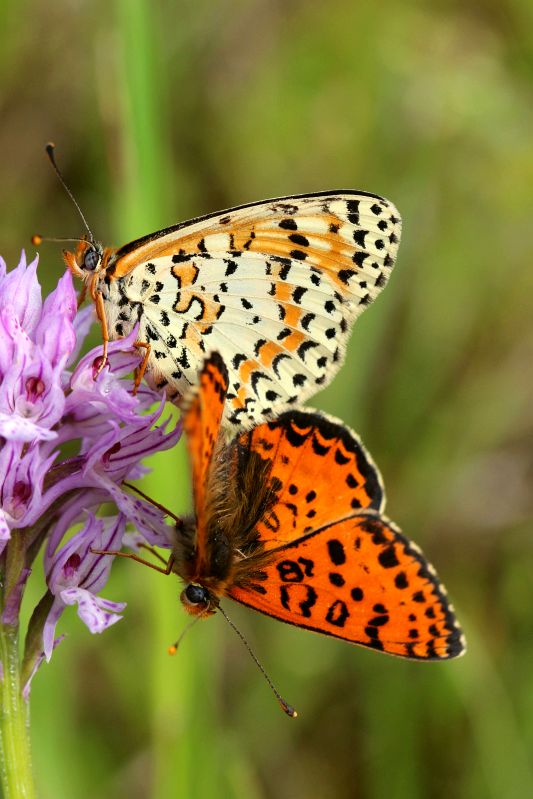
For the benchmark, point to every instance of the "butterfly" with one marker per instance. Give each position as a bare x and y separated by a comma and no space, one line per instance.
288,520
274,286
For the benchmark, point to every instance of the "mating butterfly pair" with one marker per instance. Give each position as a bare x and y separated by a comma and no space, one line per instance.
288,516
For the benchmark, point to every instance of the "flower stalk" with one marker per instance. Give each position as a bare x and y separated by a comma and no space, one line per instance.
15,756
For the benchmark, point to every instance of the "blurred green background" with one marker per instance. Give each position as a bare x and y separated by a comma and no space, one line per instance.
165,110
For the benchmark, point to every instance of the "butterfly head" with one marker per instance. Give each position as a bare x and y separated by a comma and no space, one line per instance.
87,260
198,600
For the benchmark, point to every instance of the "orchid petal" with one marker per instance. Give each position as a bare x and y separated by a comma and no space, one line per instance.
97,613
50,627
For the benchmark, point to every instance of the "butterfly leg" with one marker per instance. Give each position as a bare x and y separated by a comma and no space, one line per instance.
141,369
81,296
154,552
132,556
100,312
166,511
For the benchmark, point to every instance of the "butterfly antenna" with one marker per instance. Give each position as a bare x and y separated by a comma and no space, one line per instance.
37,239
153,502
173,648
288,709
50,147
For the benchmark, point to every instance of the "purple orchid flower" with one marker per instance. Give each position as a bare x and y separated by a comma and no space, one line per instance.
48,401
76,575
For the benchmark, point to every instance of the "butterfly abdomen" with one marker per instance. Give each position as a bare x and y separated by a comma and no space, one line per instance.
219,556
184,549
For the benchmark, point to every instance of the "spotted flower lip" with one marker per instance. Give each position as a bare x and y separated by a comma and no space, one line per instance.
75,575
53,402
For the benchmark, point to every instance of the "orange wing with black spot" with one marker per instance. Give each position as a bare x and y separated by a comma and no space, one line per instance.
201,424
361,580
319,470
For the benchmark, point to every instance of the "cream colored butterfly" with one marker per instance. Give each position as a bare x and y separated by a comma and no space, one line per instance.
274,286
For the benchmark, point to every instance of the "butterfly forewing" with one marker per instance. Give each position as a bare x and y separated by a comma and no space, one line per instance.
318,469
201,425
273,286
360,580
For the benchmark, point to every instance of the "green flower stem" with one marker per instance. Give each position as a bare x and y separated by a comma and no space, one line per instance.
15,757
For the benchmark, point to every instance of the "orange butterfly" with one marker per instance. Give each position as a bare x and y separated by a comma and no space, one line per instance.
274,286
288,521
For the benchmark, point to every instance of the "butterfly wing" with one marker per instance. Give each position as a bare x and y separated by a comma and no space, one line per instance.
201,424
361,580
274,286
318,469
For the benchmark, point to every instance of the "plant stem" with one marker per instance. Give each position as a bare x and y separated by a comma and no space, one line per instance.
15,758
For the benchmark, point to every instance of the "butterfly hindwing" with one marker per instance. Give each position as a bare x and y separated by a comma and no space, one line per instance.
361,580
274,287
318,469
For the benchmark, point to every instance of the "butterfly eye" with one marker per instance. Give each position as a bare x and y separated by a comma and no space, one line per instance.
91,259
196,595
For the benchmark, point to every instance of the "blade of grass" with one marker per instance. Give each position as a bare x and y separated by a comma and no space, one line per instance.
503,760
392,720
182,717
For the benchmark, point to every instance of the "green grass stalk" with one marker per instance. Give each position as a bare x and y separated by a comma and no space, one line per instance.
180,706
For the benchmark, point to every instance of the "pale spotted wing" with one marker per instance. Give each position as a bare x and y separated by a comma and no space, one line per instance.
274,287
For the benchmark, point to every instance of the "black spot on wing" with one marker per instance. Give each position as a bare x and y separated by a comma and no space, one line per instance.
298,255
288,224
304,347
388,558
297,238
352,208
318,447
336,552
254,380
337,613
237,360
298,293
276,362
